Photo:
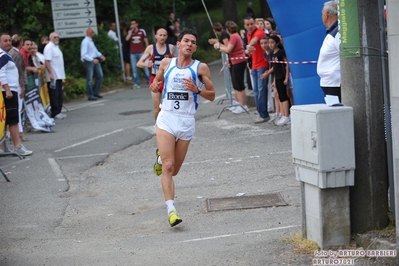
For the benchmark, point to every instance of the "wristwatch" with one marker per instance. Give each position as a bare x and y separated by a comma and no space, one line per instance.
199,90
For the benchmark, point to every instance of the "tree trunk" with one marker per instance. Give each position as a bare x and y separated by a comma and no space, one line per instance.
230,10
264,9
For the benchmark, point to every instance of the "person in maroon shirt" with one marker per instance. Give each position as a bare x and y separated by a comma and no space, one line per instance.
138,43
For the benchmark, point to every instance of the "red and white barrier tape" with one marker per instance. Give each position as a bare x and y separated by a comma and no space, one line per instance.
281,62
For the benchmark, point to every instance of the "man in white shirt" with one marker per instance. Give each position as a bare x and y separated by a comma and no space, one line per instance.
9,80
329,64
112,33
55,73
91,57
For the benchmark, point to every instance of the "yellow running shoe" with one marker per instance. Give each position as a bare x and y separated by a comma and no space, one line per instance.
174,218
157,166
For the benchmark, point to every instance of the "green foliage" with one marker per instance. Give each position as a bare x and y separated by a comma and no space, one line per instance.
111,67
74,87
206,56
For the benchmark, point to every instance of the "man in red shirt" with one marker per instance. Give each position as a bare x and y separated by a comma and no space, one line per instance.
138,43
259,66
25,49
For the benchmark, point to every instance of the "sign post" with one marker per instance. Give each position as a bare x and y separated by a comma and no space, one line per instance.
72,17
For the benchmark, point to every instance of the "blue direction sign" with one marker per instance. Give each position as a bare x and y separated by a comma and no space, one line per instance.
72,17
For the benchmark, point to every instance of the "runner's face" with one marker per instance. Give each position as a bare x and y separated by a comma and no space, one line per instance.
161,36
188,44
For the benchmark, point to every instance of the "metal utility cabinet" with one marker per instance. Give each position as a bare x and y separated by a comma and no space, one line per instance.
323,151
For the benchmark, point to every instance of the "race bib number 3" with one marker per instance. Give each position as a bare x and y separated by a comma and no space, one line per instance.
177,97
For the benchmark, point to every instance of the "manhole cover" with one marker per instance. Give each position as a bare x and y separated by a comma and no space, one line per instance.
135,112
245,202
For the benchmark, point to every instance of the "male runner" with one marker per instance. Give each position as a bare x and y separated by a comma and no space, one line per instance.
154,53
186,80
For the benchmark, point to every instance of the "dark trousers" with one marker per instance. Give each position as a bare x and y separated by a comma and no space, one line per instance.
56,97
248,76
332,91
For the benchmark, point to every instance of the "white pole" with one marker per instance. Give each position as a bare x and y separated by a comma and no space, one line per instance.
119,39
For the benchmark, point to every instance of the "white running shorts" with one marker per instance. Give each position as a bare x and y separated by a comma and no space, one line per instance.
180,126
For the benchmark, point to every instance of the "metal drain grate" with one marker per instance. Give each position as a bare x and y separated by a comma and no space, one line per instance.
245,202
135,112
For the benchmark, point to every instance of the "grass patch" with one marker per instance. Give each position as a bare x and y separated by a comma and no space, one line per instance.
301,245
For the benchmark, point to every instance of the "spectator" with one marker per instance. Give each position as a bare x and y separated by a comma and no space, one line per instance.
260,24
248,81
112,33
281,73
219,31
15,53
270,26
235,49
328,64
170,28
152,58
250,11
177,29
35,67
54,63
43,42
40,49
290,84
91,57
10,82
264,43
224,39
125,50
259,67
27,43
184,79
138,43
177,32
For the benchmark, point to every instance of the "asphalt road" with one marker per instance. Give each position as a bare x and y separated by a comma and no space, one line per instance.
88,196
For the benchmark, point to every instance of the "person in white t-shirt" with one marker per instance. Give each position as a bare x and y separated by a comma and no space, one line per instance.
112,33
54,63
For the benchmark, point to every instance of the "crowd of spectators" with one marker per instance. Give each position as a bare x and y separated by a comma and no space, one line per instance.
254,66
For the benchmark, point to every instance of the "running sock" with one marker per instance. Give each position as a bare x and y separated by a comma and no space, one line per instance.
170,205
159,160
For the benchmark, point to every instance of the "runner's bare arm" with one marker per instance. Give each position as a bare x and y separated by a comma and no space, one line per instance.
146,55
205,74
154,86
172,49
